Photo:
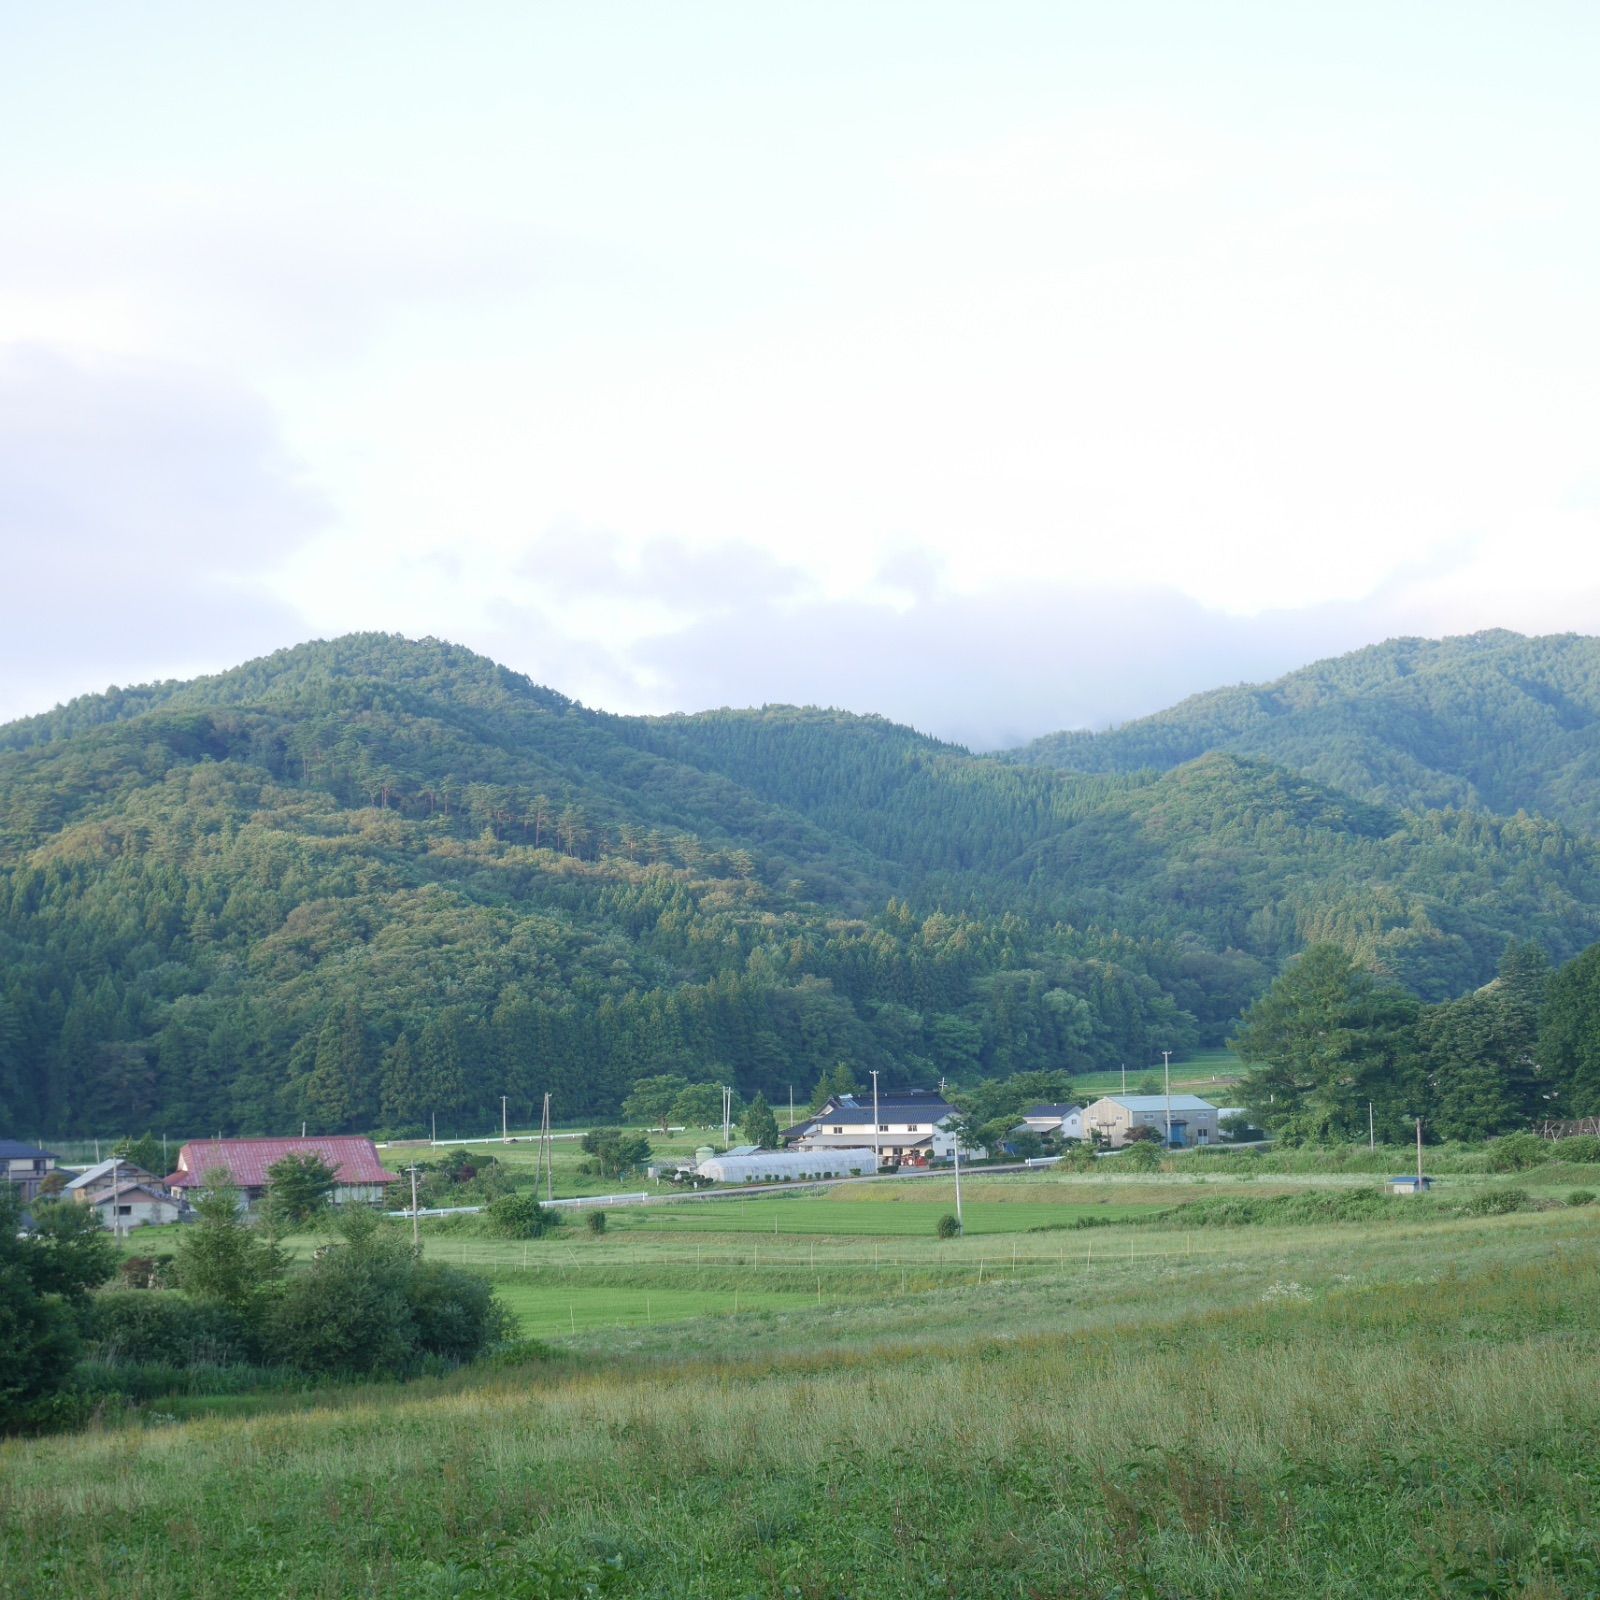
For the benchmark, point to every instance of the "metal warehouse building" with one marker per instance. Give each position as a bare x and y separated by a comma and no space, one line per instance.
773,1166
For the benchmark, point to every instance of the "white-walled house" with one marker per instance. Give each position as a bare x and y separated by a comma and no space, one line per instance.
134,1205
1061,1122
1194,1121
910,1127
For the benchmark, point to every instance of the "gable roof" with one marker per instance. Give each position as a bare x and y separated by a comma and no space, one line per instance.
1051,1111
353,1160
149,1191
102,1169
16,1150
925,1105
1158,1102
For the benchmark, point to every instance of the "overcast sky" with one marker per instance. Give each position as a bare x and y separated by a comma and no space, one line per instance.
999,367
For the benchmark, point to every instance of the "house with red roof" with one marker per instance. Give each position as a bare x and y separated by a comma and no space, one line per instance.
245,1163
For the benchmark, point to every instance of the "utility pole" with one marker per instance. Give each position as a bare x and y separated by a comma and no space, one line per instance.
1124,1077
727,1116
503,1139
435,1138
791,1105
1419,1155
877,1132
546,1154
413,1171
960,1226
116,1191
1166,1063
1372,1138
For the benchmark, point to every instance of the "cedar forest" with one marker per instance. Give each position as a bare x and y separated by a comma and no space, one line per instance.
366,882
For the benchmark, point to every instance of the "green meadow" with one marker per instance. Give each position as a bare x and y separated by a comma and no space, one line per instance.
811,1396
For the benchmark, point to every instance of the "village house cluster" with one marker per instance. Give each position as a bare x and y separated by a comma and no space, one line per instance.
127,1197
852,1135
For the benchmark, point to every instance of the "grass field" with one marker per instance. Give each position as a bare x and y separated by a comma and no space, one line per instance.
1371,1413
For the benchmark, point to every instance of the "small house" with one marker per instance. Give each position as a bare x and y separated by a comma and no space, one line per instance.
134,1205
25,1167
113,1172
1054,1122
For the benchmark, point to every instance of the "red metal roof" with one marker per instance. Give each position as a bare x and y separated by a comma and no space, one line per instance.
353,1159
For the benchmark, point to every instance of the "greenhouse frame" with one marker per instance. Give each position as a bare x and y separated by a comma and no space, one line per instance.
778,1166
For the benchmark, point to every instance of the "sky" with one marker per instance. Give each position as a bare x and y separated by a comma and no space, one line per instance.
996,367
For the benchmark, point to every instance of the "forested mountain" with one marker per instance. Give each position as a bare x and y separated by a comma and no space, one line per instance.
359,882
1494,721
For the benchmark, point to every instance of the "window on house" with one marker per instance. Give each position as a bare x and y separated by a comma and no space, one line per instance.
838,1130
883,1127
911,1127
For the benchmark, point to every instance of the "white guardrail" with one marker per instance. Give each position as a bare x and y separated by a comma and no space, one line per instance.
576,1202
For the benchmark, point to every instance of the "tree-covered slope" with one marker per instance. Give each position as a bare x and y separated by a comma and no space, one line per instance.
360,882
1491,720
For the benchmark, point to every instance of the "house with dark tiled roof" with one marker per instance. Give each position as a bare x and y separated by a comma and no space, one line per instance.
25,1167
909,1128
245,1163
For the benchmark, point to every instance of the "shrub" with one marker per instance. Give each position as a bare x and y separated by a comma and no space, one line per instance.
520,1216
1581,1197
454,1314
1496,1202
366,1306
947,1227
595,1222
1516,1152
1141,1157
169,1329
1583,1147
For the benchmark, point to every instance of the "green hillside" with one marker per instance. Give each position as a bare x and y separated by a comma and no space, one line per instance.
360,882
1493,720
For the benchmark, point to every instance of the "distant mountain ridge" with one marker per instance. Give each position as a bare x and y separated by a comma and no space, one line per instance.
363,880
1495,721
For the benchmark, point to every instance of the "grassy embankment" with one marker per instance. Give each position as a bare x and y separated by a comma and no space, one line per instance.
1373,1411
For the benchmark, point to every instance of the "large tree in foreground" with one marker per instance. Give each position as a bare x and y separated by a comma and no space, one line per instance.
1325,1041
44,1280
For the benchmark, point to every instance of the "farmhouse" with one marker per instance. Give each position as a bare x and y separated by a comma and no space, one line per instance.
103,1176
910,1128
25,1166
134,1205
245,1162
1194,1121
775,1166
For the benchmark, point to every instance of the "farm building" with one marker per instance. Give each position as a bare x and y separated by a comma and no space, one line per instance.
1194,1121
245,1163
1410,1184
909,1128
773,1166
25,1166
1062,1122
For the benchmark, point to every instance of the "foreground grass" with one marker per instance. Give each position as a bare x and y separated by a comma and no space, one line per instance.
1404,1412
